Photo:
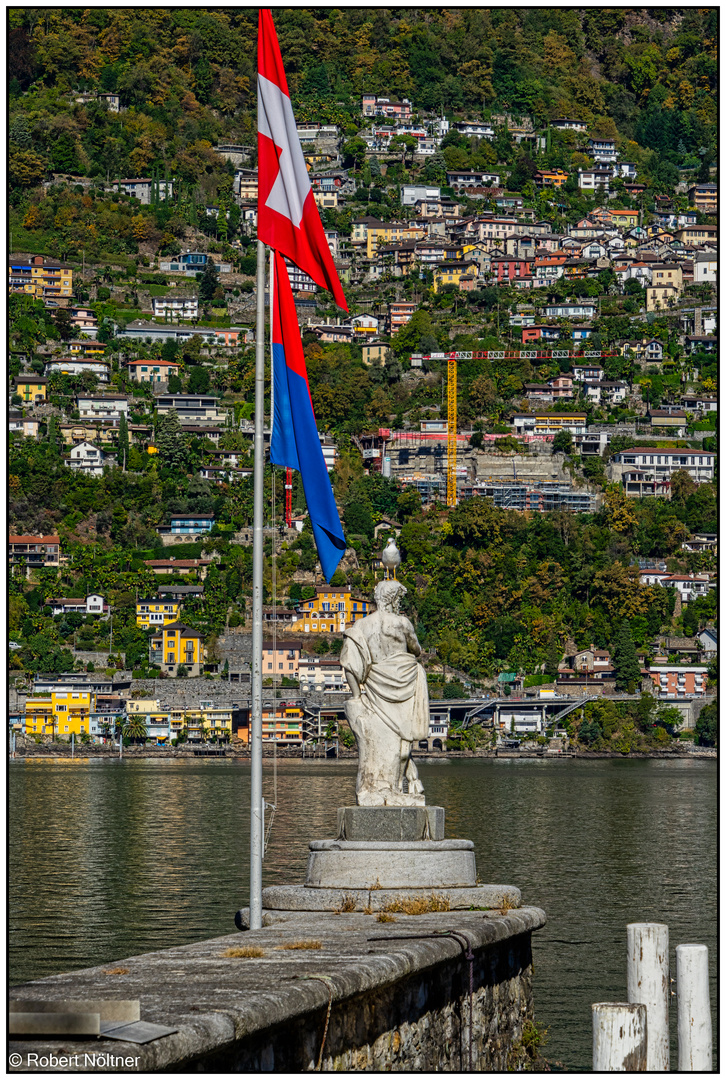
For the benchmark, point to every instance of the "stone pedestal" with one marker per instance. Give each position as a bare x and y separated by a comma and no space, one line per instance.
384,857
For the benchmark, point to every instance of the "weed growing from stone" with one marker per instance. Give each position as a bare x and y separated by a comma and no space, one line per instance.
116,971
419,905
383,916
246,952
300,945
347,905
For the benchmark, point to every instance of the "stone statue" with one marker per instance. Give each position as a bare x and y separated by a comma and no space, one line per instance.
389,709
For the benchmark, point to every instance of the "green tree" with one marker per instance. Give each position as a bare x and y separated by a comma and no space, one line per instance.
199,381
562,442
208,281
171,442
64,324
707,725
625,660
123,442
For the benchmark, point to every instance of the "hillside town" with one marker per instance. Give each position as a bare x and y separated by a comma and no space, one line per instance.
523,393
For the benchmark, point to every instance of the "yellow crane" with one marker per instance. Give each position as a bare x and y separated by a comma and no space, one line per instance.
451,438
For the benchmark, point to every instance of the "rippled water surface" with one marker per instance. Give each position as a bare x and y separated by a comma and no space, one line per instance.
111,859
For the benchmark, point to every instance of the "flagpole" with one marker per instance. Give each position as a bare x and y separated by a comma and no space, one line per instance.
256,812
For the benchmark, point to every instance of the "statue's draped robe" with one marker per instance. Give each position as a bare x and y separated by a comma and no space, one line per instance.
393,690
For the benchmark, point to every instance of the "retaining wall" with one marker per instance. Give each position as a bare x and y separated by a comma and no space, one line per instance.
400,1004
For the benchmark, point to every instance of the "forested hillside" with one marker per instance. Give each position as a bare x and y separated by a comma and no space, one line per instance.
646,75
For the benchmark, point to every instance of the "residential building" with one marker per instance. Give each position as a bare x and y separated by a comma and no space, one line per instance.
678,680
708,640
88,458
660,463
548,424
175,645
571,309
375,353
179,566
93,604
701,403
76,365
84,320
142,188
102,407
463,178
476,128
192,263
695,235
281,658
283,723
704,197
666,274
59,715
151,371
34,551
383,106
705,267
41,277
564,123
322,676
605,390
26,426
192,408
225,337
87,348
675,421
587,372
181,307
701,343
593,179
192,524
602,150
33,389
550,178
158,611
658,297
689,586
399,314
412,193
331,610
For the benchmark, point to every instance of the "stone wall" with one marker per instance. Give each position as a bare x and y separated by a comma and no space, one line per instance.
397,996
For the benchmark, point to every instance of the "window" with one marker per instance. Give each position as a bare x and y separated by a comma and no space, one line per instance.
269,667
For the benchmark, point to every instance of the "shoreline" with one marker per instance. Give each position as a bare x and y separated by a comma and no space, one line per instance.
284,755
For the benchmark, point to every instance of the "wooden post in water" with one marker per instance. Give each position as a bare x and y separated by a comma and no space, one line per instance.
619,1037
694,1009
648,984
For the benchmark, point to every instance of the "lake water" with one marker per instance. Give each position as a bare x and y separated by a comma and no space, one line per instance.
112,859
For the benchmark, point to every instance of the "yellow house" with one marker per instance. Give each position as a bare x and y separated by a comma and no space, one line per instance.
178,644
59,715
452,274
381,233
153,613
31,388
41,277
625,218
330,610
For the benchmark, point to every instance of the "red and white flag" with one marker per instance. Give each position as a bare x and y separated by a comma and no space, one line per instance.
287,216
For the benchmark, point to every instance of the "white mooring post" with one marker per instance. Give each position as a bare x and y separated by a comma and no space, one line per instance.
648,985
694,1009
619,1037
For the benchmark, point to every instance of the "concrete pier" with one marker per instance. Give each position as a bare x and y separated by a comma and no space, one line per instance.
347,992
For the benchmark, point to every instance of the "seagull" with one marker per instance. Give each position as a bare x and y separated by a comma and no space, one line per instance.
391,558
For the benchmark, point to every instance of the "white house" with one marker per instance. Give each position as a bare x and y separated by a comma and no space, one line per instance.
94,604
660,463
85,457
183,307
705,267
77,365
102,407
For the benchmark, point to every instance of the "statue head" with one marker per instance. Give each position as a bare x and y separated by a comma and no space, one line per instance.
388,595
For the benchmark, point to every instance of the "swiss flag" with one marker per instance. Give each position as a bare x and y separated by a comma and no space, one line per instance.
287,217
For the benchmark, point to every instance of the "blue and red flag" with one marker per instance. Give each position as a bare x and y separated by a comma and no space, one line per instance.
294,441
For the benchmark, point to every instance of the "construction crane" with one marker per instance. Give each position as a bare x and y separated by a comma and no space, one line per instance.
451,434
490,354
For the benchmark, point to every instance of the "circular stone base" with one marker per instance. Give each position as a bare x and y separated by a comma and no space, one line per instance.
366,864
301,898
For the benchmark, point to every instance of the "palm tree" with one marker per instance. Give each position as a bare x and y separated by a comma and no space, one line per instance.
134,727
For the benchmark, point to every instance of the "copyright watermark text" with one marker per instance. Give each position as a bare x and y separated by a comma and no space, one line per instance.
72,1061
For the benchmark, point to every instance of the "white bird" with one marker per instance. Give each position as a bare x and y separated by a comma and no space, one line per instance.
391,558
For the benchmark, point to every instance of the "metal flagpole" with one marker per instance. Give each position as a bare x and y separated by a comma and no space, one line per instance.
256,812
